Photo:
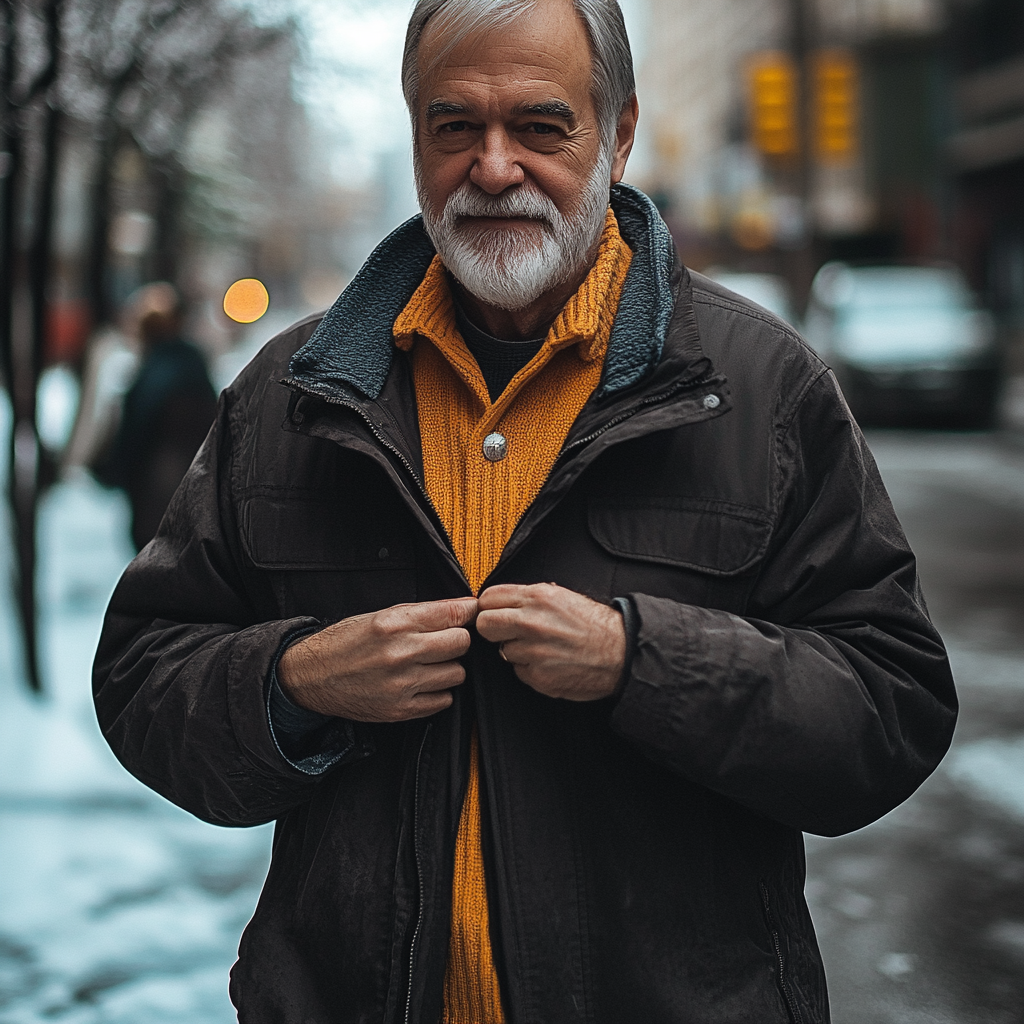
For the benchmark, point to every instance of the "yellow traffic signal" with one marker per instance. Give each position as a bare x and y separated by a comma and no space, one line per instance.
773,97
836,106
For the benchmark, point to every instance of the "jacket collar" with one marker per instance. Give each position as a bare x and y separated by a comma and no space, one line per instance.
354,344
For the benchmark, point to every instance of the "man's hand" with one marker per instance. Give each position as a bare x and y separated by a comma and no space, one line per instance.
559,642
387,666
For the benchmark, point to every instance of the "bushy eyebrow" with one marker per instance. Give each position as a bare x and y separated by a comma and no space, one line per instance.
442,108
549,108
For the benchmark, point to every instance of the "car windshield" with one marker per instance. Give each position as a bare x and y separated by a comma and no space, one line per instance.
904,288
892,315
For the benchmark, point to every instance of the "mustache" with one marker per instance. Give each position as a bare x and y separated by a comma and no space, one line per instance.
525,202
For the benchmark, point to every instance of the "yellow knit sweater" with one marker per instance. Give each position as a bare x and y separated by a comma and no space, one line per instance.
480,503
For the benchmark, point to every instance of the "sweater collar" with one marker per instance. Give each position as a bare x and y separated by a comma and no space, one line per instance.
354,342
584,323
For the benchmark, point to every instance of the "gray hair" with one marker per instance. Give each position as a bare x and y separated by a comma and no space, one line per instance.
609,45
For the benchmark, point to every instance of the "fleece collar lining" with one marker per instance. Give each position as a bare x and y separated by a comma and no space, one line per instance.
354,344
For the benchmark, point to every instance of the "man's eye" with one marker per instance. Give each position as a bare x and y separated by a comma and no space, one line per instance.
454,126
539,128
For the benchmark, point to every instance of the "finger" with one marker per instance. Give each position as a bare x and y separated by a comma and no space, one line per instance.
501,624
505,595
427,704
431,616
432,678
444,645
513,651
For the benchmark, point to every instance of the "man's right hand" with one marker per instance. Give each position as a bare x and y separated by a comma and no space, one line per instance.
387,666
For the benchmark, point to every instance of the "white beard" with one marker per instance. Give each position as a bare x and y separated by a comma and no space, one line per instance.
510,268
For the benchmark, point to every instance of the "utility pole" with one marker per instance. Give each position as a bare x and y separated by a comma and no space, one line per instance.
801,44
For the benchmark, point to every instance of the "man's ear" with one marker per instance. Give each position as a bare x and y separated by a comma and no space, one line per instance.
625,133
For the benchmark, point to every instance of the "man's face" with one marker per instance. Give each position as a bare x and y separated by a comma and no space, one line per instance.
511,171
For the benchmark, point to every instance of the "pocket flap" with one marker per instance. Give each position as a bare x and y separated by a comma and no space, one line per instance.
302,534
707,535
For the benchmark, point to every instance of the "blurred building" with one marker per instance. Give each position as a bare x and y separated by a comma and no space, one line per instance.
986,151
691,90
798,126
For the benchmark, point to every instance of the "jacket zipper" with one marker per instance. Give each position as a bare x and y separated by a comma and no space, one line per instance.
383,440
419,871
780,961
381,437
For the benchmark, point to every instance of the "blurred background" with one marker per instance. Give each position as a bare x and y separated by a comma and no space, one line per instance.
180,179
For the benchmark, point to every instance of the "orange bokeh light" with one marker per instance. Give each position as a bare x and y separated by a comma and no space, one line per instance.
246,300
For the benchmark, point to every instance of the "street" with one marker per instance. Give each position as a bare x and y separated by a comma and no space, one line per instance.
116,907
920,917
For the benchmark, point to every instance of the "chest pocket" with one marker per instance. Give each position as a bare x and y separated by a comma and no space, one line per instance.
702,535
317,536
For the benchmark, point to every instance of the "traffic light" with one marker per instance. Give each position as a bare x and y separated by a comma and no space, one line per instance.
836,106
774,107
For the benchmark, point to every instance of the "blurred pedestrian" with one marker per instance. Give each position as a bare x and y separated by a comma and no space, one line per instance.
111,365
167,413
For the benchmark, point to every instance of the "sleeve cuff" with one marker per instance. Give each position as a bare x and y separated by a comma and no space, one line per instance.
307,740
631,624
289,720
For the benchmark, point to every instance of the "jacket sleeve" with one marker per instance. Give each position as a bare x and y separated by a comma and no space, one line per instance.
182,673
831,700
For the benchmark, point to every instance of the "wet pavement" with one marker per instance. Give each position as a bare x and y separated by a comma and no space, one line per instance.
116,907
920,917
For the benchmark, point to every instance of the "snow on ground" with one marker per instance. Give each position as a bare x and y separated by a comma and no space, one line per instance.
114,905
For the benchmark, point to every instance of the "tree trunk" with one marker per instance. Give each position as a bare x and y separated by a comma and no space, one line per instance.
97,285
26,346
28,452
167,250
10,144
22,451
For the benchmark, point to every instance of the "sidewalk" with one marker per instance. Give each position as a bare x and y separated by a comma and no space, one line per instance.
114,905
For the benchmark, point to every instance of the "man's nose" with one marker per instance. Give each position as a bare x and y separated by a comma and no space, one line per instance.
496,167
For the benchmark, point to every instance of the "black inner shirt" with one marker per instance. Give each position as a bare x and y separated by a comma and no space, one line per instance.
499,361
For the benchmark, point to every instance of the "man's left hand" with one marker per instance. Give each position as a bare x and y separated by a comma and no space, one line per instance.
559,642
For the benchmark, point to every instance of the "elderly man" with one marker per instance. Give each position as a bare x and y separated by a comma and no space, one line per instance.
542,591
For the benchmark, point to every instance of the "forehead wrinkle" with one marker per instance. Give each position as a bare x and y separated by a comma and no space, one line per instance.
462,89
515,62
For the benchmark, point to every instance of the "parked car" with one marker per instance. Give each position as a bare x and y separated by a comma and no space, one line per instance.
908,343
768,290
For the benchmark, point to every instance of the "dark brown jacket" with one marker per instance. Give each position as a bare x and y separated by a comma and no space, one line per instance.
644,857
